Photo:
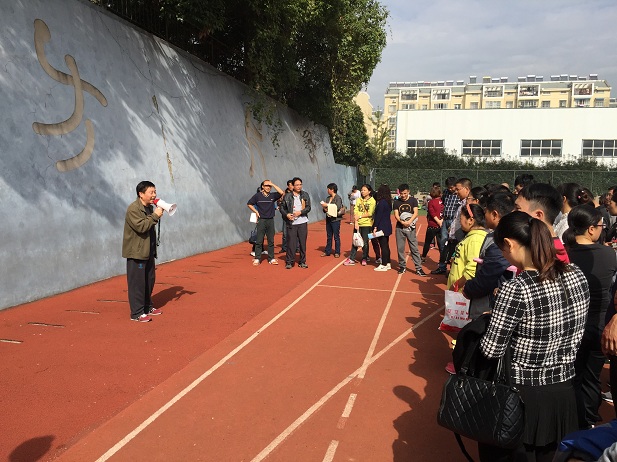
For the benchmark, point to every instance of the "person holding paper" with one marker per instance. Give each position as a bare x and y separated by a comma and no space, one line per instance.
332,207
382,225
263,205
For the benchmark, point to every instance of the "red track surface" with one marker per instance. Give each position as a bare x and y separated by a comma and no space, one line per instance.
332,363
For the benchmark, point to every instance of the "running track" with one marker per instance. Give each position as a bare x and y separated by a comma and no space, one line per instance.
332,363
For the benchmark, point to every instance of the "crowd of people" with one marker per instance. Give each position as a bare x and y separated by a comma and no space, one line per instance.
540,259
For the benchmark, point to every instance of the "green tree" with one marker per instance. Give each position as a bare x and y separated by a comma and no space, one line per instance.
312,55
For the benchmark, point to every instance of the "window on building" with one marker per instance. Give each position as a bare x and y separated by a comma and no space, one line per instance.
414,145
598,103
424,107
440,106
563,103
528,90
493,104
509,104
409,107
392,120
409,96
481,148
600,148
493,92
528,103
392,133
392,108
473,105
546,104
542,148
457,106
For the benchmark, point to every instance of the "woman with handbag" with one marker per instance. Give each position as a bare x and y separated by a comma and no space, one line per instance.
540,316
363,219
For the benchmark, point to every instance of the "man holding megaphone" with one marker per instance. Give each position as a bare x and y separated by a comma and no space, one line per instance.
139,249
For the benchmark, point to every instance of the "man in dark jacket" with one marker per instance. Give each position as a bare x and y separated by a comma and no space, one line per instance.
139,249
296,206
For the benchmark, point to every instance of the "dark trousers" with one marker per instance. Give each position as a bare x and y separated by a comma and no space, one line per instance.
284,244
613,377
587,385
333,230
140,276
385,249
265,227
296,237
431,233
363,230
522,453
376,248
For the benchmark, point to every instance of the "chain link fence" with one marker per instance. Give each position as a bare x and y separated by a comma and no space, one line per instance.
422,180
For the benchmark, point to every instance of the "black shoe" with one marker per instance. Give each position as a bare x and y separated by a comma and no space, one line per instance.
420,272
402,270
439,271
288,266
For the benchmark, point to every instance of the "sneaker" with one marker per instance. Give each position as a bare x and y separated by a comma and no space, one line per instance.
401,270
378,262
303,265
325,254
450,368
381,268
288,266
364,262
439,271
264,252
252,254
608,397
274,261
337,255
142,318
154,312
349,262
420,272
388,267
256,262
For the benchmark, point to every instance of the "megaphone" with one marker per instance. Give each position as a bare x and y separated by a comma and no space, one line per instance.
170,208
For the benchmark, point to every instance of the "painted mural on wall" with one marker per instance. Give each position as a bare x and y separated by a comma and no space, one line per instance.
42,35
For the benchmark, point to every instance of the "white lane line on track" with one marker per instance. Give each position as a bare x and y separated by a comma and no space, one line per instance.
124,441
329,457
377,334
364,289
325,398
342,421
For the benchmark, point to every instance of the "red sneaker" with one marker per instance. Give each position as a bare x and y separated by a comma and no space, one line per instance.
154,312
450,368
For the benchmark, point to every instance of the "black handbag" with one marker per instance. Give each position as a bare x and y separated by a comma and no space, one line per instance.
488,411
253,236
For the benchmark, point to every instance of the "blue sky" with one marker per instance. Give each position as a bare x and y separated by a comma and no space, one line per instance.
451,40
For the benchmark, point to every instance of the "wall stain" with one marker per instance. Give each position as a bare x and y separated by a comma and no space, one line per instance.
254,137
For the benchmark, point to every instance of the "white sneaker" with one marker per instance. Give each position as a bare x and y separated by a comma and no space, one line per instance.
381,268
264,252
252,254
388,267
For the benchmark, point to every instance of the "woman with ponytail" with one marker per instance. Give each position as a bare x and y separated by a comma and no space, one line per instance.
540,315
598,264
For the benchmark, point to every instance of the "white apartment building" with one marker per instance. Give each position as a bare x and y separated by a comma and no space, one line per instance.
565,118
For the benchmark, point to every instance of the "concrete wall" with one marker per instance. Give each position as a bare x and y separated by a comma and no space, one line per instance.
91,106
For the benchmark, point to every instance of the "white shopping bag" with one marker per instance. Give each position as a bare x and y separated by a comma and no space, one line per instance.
357,240
456,313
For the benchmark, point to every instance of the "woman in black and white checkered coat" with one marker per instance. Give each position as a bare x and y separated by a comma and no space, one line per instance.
541,314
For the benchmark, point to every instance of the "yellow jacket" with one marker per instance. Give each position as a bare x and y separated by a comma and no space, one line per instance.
466,250
364,206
